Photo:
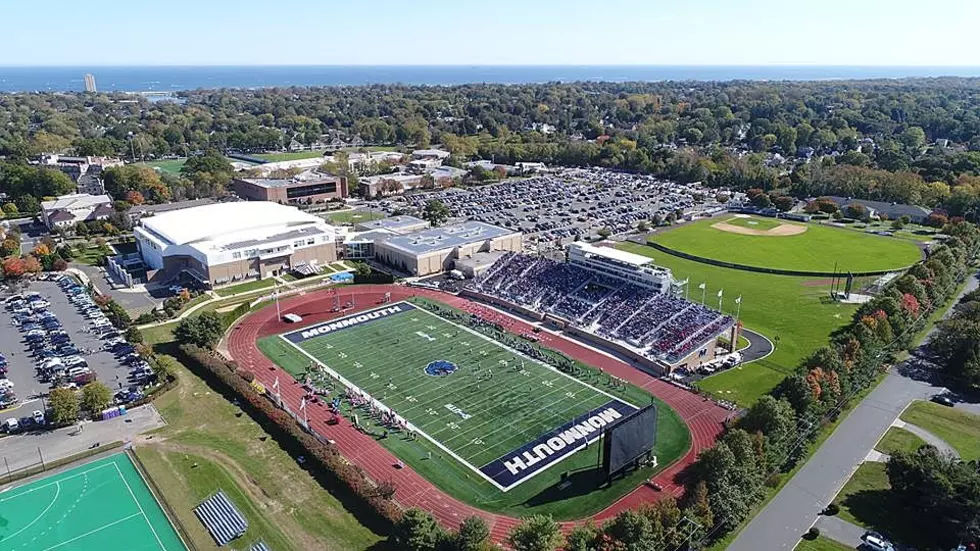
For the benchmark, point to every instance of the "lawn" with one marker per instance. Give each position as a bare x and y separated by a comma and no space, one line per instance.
899,440
353,216
795,313
821,544
866,500
245,287
959,429
285,504
170,166
289,155
819,248
473,419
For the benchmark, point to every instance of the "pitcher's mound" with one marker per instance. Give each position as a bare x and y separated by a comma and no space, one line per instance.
781,230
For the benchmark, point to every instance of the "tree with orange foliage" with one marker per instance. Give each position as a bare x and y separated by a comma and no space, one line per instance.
31,265
13,267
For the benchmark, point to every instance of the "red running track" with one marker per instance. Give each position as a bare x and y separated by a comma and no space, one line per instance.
703,418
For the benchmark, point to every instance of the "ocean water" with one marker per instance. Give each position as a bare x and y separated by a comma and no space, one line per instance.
173,78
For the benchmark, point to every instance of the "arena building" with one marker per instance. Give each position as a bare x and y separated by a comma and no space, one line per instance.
622,265
435,250
228,242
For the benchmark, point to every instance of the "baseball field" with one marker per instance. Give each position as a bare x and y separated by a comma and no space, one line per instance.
771,243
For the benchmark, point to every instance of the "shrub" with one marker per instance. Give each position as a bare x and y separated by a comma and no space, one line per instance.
813,533
325,456
832,509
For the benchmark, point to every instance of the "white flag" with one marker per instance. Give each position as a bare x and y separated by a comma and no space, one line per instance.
720,292
702,286
302,404
738,300
275,384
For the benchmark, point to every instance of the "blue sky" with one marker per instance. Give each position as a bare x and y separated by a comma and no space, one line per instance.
510,32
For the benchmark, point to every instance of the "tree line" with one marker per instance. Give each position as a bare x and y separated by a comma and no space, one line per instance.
868,139
775,432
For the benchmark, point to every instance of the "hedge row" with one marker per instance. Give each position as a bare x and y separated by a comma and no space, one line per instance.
325,456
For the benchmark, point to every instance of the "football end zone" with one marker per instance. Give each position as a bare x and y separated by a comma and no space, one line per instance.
514,467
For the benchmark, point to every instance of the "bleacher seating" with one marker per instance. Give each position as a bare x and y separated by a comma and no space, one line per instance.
221,518
660,326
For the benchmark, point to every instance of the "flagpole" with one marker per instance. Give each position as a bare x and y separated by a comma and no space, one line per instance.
704,289
738,307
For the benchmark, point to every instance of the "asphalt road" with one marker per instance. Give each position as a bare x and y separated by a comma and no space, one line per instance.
24,450
759,346
795,508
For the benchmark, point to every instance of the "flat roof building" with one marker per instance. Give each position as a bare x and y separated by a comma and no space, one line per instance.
434,250
396,224
228,242
622,265
314,187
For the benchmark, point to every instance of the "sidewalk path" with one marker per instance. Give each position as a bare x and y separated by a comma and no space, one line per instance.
929,437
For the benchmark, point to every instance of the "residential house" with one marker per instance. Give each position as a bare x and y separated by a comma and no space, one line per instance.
68,210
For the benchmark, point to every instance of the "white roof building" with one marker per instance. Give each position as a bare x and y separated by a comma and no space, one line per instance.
68,210
623,265
225,233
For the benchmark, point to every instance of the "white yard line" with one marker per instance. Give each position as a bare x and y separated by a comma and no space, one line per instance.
426,435
137,502
52,483
90,532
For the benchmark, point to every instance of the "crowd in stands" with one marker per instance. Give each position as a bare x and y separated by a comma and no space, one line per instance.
658,325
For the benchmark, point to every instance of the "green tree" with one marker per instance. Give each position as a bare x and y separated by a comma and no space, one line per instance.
473,534
416,531
10,210
203,331
783,202
536,533
96,397
632,530
64,405
435,212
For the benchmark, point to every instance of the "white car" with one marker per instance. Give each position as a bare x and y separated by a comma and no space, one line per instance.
6,384
876,542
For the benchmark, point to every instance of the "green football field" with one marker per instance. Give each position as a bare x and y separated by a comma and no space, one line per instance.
100,506
495,401
817,249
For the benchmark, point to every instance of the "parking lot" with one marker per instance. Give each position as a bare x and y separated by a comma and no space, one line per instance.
55,336
569,204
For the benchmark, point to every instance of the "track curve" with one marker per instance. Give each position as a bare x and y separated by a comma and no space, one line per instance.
703,418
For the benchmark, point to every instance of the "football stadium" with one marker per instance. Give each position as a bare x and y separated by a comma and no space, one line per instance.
492,418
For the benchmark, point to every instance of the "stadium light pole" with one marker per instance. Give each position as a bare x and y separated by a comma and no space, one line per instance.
276,293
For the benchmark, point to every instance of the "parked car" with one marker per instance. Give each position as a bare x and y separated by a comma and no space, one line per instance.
943,399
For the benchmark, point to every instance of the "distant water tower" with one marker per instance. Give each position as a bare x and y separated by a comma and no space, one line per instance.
90,82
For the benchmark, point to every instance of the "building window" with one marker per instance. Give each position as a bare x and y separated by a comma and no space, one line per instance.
310,241
312,189
298,244
236,256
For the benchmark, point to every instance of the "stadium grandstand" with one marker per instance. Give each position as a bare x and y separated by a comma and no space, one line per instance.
654,327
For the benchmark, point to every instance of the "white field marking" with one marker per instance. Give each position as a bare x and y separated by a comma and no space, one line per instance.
90,532
165,514
40,516
140,507
471,427
439,444
76,475
343,380
528,358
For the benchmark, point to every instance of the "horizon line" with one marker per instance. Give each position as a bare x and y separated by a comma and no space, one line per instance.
475,65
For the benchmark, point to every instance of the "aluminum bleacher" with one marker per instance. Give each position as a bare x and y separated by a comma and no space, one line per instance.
221,518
